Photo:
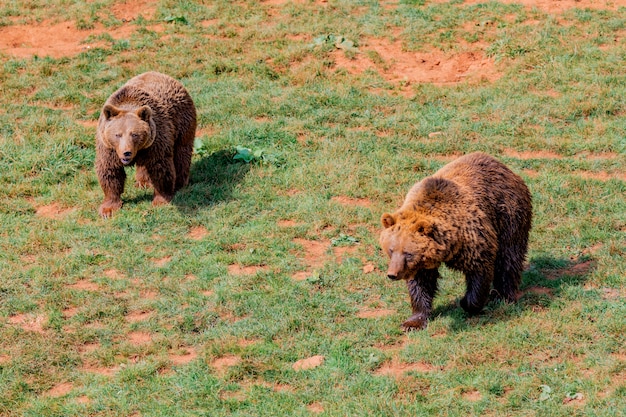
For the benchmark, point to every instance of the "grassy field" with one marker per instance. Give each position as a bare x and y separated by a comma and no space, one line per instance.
261,290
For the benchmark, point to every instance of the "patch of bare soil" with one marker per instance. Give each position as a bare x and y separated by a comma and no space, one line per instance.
601,175
472,396
197,233
139,338
371,314
113,274
397,369
161,262
287,223
575,269
139,316
512,153
65,39
182,356
100,370
235,269
554,7
314,256
403,68
85,285
308,363
29,322
60,390
315,408
347,201
539,290
69,312
53,211
222,364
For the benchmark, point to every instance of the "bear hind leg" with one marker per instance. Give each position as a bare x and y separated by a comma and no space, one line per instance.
182,164
477,294
508,273
163,178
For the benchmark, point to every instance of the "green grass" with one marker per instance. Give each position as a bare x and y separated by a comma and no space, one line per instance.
71,283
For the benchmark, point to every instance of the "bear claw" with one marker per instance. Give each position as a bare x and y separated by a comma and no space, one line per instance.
414,323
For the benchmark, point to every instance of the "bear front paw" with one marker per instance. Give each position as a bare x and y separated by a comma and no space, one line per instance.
107,208
415,322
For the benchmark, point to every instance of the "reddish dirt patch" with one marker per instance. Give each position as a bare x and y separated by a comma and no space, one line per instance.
29,322
552,6
53,211
368,268
574,270
315,408
69,312
60,390
472,396
371,314
347,201
4,359
539,291
512,153
601,176
138,316
182,356
314,256
24,41
139,338
131,10
83,399
161,262
396,369
341,251
235,269
65,39
89,347
402,67
530,173
100,370
308,363
222,364
85,285
197,233
287,223
113,274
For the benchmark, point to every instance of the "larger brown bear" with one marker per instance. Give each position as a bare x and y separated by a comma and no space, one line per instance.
474,215
149,122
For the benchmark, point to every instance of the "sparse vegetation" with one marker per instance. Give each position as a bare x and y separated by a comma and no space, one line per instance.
260,291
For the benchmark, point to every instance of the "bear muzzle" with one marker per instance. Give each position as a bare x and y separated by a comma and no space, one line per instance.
127,157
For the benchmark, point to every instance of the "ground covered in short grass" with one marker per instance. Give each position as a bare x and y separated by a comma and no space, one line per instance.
261,290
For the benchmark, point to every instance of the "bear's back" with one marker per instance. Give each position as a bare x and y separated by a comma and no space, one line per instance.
500,193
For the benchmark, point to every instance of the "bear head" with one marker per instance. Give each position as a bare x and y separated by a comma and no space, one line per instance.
127,131
413,243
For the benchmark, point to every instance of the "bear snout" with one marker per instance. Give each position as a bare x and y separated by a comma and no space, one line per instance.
392,276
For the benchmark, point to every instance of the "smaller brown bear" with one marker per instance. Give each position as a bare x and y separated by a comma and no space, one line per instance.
151,122
474,215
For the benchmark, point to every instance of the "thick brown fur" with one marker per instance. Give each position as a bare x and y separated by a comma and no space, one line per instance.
149,122
474,215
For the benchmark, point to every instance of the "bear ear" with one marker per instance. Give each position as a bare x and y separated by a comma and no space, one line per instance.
387,220
144,113
425,228
109,111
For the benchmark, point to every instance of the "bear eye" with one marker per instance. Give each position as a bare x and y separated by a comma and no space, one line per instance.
134,135
408,256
